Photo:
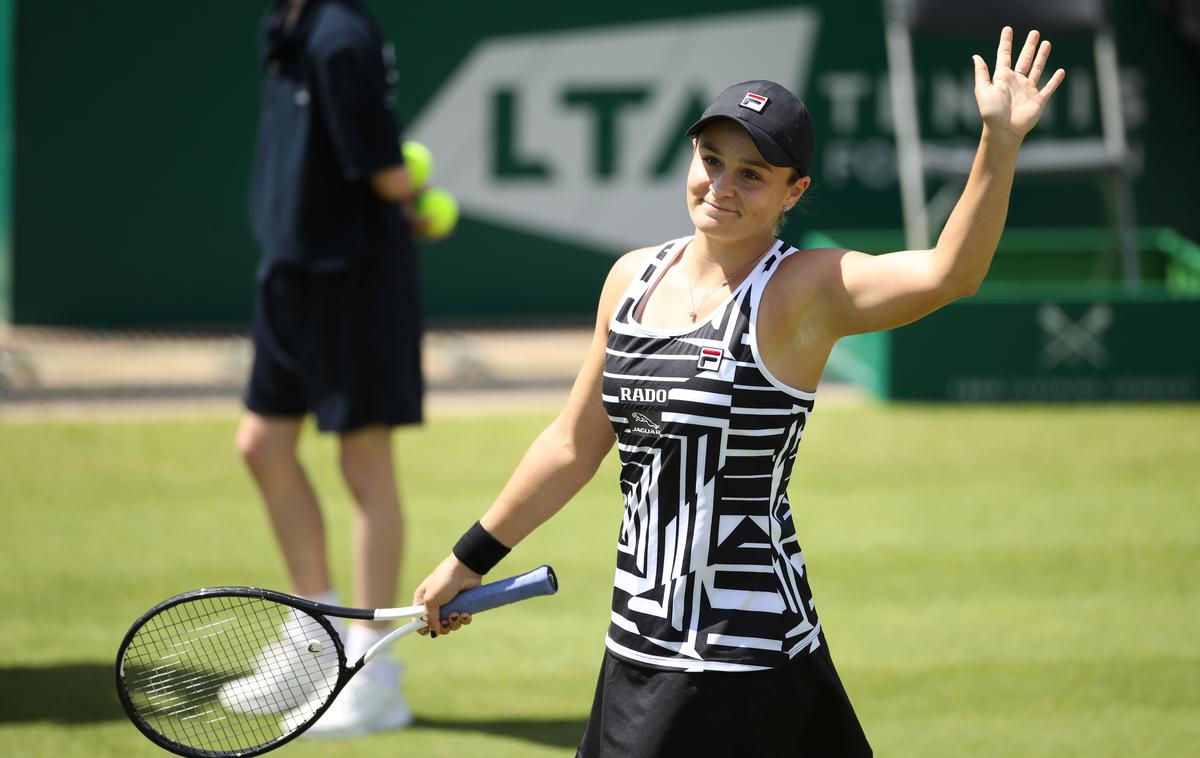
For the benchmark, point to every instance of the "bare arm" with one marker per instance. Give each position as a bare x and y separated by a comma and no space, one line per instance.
562,459
869,293
392,183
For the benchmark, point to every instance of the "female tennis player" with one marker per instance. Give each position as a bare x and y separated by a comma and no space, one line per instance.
703,370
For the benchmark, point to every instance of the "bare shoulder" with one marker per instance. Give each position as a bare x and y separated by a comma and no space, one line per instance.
623,271
627,267
632,263
796,299
812,267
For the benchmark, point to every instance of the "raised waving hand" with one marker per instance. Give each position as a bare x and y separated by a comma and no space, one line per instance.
1010,101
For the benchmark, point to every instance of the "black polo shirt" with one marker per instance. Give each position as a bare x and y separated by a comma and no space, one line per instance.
326,124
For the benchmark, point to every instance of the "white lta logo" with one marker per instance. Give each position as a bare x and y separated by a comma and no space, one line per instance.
579,135
1074,342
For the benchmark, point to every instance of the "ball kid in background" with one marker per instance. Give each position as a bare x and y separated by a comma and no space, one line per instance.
337,324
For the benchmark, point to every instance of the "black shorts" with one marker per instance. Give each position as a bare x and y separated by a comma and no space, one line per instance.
798,710
344,344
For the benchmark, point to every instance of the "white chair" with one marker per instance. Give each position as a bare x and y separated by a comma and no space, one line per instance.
1106,156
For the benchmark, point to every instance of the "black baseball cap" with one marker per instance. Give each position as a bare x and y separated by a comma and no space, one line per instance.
777,121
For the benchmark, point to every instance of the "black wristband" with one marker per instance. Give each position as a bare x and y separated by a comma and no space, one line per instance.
479,550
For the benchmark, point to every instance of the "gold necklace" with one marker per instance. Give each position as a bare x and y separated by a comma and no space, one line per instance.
726,282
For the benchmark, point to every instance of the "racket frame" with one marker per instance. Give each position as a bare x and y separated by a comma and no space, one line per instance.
540,581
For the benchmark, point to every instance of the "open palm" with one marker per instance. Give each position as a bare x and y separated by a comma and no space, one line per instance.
1009,100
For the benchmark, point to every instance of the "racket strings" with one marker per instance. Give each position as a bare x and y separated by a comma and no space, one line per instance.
228,673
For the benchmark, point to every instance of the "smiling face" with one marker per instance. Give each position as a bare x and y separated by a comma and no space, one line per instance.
733,192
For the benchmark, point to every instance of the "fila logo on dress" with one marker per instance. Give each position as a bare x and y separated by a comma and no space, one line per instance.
710,359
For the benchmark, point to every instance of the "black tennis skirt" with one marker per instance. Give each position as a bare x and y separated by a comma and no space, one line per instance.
799,711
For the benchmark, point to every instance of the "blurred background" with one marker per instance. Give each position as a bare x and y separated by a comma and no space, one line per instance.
1001,498
129,132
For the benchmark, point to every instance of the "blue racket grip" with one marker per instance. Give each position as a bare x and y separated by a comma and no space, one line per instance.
540,581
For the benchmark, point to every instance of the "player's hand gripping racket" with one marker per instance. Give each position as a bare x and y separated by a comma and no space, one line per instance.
238,671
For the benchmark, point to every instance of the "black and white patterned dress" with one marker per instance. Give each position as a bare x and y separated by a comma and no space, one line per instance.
709,576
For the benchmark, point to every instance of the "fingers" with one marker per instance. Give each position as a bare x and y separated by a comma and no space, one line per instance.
1039,63
1031,63
456,621
1004,52
1052,85
442,586
453,623
419,599
981,72
433,612
1025,59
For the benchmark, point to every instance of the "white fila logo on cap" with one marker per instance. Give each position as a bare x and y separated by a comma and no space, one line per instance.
710,358
754,102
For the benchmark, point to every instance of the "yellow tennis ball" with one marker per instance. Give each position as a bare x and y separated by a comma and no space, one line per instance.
419,162
438,209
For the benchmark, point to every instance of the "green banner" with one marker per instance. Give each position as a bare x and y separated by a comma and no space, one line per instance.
6,154
1048,340
559,127
1102,349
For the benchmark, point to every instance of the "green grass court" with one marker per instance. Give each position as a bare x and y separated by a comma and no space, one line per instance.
994,581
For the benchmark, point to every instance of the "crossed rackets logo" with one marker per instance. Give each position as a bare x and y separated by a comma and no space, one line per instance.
1072,342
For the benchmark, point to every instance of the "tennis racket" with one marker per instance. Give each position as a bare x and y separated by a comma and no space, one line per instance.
238,671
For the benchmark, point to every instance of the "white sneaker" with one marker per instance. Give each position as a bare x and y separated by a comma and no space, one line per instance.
371,702
288,672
